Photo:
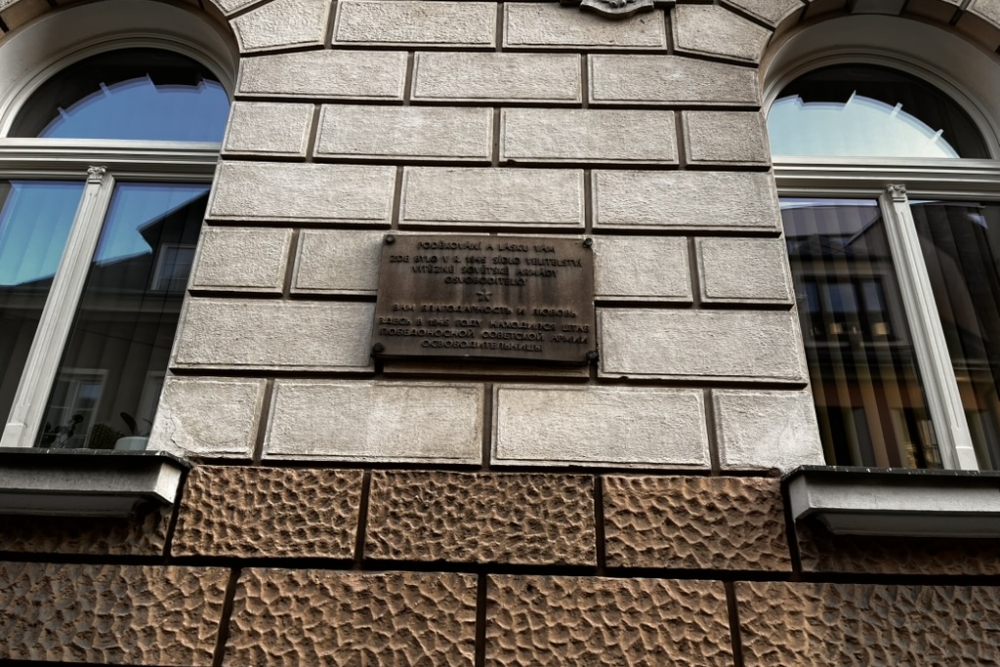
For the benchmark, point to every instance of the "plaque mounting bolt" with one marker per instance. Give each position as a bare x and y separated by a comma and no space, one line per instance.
588,243
378,348
592,355
390,239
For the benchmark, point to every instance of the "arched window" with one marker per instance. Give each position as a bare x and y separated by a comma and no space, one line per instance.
104,179
891,209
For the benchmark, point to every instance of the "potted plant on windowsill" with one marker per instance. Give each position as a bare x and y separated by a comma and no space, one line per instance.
137,440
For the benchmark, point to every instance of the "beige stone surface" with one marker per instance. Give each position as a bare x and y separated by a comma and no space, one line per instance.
544,621
673,80
110,614
548,25
497,77
242,259
685,200
772,11
268,129
765,430
416,22
740,270
316,618
336,74
282,24
481,518
337,262
588,136
417,133
473,196
726,138
640,268
279,335
712,30
376,421
244,512
302,193
863,624
587,425
701,344
141,534
700,523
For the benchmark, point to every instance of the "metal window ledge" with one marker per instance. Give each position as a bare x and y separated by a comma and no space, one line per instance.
897,502
86,482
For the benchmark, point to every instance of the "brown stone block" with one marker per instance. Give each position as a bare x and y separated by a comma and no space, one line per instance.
589,621
821,551
144,534
818,625
313,618
269,512
724,523
525,519
110,614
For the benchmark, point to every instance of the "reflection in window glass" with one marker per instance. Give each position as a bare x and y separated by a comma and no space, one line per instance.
137,94
124,328
961,246
869,111
869,401
35,220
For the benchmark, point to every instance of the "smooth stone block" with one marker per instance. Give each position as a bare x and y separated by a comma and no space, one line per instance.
766,430
242,259
339,74
497,77
639,268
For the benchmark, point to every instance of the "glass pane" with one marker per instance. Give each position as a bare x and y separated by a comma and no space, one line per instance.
867,111
113,367
141,94
871,407
35,220
961,246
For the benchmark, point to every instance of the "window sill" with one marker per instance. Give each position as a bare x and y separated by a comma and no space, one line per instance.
86,482
897,502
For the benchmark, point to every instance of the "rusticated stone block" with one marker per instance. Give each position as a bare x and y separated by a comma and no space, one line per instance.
143,534
715,31
770,11
312,618
469,24
547,25
543,621
497,77
282,24
725,523
110,614
268,513
338,74
242,259
634,79
481,518
821,551
818,625
734,138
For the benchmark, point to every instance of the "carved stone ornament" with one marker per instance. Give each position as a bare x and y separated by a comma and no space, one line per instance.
618,8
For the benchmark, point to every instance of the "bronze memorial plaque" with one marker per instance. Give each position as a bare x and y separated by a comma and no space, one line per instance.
486,297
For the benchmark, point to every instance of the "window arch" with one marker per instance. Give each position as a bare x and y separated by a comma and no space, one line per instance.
101,202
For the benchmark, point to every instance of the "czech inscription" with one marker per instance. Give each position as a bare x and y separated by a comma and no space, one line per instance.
486,297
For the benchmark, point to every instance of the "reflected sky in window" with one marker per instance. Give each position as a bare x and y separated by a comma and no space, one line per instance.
34,224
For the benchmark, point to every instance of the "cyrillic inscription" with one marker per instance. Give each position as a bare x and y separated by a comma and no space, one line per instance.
487,297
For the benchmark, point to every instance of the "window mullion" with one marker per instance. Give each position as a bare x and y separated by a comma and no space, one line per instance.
56,321
933,359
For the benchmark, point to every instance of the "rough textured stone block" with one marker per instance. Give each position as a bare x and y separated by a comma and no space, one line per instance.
620,426
632,79
429,133
632,268
744,271
715,31
497,77
770,11
719,345
142,534
267,129
314,618
766,429
695,200
337,262
417,22
302,193
242,259
815,625
548,25
522,197
15,14
278,335
701,523
213,417
481,518
281,24
110,614
583,135
544,621
339,74
726,138
268,513
372,421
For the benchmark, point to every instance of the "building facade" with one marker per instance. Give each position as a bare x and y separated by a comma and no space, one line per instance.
777,441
